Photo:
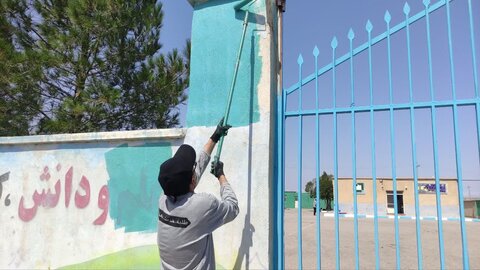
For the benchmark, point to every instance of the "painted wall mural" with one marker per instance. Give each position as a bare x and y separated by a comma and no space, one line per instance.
134,194
92,205
3,178
85,187
48,199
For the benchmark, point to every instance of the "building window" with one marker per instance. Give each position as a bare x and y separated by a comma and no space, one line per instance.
360,188
391,203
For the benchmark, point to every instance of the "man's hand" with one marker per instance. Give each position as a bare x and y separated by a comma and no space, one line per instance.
221,130
217,168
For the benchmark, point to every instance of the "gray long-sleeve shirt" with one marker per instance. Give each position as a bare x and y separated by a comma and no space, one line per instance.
185,226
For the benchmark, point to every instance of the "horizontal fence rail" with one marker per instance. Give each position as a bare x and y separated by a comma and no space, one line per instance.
300,120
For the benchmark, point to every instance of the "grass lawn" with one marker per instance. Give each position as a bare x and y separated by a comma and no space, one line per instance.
143,257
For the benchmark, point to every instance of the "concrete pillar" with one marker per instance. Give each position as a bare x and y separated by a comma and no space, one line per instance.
248,148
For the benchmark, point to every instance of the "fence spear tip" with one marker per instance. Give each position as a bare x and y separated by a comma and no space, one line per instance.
315,51
334,43
351,34
406,8
300,59
369,26
387,17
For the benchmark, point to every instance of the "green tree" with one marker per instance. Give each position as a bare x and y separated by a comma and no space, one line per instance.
92,65
326,189
310,188
19,103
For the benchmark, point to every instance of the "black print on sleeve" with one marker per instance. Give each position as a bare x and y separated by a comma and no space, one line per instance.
180,222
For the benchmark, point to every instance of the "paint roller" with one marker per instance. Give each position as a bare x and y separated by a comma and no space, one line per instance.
244,5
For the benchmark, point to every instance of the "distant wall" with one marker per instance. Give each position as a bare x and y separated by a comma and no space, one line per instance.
291,201
472,208
67,199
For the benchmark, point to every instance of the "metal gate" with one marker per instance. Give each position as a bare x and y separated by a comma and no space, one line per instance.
326,129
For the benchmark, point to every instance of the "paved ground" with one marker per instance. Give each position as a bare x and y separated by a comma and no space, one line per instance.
408,251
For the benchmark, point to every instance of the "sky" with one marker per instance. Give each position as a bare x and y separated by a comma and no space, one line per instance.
310,23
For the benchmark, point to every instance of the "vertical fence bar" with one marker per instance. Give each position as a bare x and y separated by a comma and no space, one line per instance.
278,262
434,139
369,28
279,206
406,11
279,212
300,146
457,145
475,74
392,142
334,44
317,164
351,36
280,185
282,250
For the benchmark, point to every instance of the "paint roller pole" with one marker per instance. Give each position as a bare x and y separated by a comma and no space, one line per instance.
232,87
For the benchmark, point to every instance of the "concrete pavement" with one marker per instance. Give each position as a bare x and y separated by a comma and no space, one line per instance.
386,231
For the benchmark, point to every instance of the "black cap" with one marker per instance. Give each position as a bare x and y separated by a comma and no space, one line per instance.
176,173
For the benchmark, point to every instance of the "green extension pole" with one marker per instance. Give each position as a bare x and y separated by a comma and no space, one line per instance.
237,64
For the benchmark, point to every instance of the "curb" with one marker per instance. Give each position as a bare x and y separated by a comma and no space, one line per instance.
401,217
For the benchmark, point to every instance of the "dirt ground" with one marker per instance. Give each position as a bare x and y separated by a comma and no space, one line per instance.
386,231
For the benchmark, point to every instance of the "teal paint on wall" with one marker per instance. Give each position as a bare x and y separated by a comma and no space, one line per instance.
307,203
289,199
216,33
477,204
133,185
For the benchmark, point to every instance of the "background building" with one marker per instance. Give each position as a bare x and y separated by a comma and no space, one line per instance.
405,196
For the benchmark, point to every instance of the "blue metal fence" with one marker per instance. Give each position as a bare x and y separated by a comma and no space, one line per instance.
412,106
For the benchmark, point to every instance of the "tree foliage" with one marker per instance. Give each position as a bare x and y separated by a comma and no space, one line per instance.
310,188
83,66
326,188
19,103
